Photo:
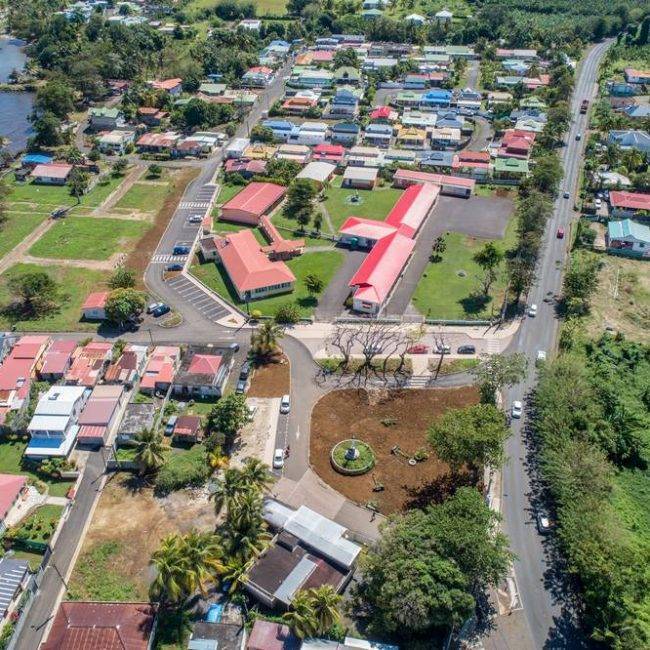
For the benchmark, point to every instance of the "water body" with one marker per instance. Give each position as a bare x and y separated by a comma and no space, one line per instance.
15,108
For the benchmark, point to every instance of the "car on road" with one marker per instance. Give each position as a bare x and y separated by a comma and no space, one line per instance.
541,357
234,347
566,195
195,218
560,233
154,305
173,267
245,370
285,404
466,349
544,524
240,389
278,459
161,311
372,350
517,409
578,136
532,310
170,424
181,249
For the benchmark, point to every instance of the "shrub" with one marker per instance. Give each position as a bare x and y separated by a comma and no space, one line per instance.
183,469
288,313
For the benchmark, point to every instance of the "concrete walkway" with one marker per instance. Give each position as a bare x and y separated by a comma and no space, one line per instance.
20,250
114,197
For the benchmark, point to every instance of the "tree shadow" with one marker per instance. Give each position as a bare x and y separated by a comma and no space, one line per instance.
16,311
307,301
437,490
475,303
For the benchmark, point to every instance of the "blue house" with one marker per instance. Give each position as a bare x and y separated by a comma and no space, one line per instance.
345,102
437,98
282,129
345,133
621,89
440,160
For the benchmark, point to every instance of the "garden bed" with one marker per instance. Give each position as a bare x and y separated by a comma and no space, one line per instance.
383,419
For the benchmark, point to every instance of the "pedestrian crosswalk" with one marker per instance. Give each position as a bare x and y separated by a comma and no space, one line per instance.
194,205
163,259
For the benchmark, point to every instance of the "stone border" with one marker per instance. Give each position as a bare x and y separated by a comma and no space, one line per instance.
352,472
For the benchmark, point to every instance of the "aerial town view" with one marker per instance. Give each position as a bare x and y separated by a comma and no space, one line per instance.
324,324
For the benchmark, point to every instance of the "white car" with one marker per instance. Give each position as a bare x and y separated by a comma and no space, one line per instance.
598,203
195,218
532,311
517,409
278,459
544,524
285,404
153,306
541,356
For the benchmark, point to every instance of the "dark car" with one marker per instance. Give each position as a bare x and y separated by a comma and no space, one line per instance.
160,311
174,267
181,249
466,349
245,370
560,233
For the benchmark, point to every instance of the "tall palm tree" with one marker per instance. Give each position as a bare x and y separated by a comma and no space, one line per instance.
325,603
301,617
170,562
264,340
256,474
234,572
227,488
151,451
244,532
245,510
204,554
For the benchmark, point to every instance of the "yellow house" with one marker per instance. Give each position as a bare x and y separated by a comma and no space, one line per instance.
260,151
412,138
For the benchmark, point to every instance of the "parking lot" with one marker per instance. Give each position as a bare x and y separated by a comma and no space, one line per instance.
204,302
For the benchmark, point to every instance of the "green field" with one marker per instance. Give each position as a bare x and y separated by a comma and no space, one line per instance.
74,285
449,289
144,197
88,238
284,222
322,264
17,226
373,204
225,227
226,192
274,7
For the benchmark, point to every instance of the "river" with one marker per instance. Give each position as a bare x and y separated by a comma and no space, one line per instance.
15,108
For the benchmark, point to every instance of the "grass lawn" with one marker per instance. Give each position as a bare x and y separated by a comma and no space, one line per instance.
374,204
200,406
41,524
97,576
262,7
284,222
224,228
32,557
447,288
11,455
226,192
88,238
17,227
75,284
322,264
144,197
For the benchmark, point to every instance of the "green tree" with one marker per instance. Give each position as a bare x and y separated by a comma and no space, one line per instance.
301,617
36,292
122,278
47,130
287,313
256,475
79,182
580,282
154,171
300,201
497,371
119,166
264,341
325,603
73,156
261,133
346,57
318,221
55,97
245,532
471,437
150,451
314,284
547,173
123,304
227,488
229,415
489,258
170,565
204,555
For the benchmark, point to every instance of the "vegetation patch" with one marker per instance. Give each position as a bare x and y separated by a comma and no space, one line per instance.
183,468
144,197
17,226
39,526
349,463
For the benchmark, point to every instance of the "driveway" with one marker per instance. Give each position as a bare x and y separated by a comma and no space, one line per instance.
330,304
486,218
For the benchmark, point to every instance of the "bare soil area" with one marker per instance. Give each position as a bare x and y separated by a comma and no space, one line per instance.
271,380
384,419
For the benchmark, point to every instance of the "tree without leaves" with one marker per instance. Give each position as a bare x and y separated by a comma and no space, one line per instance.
438,248
497,371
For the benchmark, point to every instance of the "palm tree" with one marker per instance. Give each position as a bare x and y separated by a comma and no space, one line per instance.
227,488
217,460
245,510
264,340
256,474
301,617
234,573
244,532
151,451
204,554
325,603
170,562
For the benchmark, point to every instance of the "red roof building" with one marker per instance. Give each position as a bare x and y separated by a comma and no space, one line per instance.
101,626
325,152
157,142
247,168
266,635
11,488
413,207
384,114
298,105
379,271
364,232
252,273
57,359
628,203
516,143
188,428
51,173
279,248
173,86
252,202
452,185
160,369
93,307
88,364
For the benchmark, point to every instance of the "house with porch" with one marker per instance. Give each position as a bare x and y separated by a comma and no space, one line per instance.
203,371
628,238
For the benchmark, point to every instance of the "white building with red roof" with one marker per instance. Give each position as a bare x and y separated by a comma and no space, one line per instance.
57,360
516,143
160,369
203,372
94,306
51,173
450,185
12,489
634,76
628,204
172,86
89,364
413,207
252,202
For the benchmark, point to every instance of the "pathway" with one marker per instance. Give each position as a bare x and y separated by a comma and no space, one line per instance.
326,217
98,265
113,198
19,251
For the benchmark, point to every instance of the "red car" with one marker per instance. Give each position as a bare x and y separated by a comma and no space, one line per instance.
560,233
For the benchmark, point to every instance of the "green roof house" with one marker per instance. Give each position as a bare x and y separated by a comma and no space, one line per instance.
347,75
628,238
102,118
513,169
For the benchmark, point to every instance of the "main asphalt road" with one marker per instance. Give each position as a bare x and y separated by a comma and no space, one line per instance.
544,590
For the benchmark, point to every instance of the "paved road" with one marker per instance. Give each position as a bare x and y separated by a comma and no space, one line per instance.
545,596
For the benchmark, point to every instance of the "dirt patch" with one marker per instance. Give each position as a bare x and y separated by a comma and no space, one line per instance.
141,256
257,438
137,521
384,419
271,380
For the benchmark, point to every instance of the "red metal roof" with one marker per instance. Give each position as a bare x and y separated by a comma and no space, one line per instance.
55,360
380,269
205,364
256,198
436,179
266,635
160,367
412,208
167,84
98,412
366,228
52,170
630,200
95,300
187,425
91,431
247,265
382,113
10,487
101,626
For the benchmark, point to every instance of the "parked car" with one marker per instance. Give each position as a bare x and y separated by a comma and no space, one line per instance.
566,195
517,409
278,459
578,136
195,218
234,347
170,424
466,349
245,370
285,404
532,310
154,305
598,203
560,233
372,350
174,267
181,249
418,348
241,387
544,524
161,310
442,349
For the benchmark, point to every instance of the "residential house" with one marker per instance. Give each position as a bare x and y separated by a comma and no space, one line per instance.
450,120
633,76
439,160
519,54
282,129
628,238
347,75
475,164
88,364
399,156
207,635
267,635
301,102
415,19
378,135
160,369
619,89
187,429
384,115
53,428
436,98
345,133
137,417
364,157
513,169
115,142
94,307
196,145
299,153
361,178
128,367
629,204
418,119
496,98
51,173
82,625
641,112
309,133
212,89
630,139
152,116
449,185
318,171
444,17
57,360
100,414
613,179
259,151
515,66
516,144
236,148
376,63
252,24
160,143
13,489
445,137
14,578
246,168
331,153
203,371
257,77
344,103
103,118
255,200
372,14
408,99
313,78
173,87
532,102
412,138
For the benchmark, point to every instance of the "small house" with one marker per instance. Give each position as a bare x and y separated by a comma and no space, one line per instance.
173,87
13,489
628,238
51,174
105,119
361,178
94,307
203,372
187,429
57,360
115,142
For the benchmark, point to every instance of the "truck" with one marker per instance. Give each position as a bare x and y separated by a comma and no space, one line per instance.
584,106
